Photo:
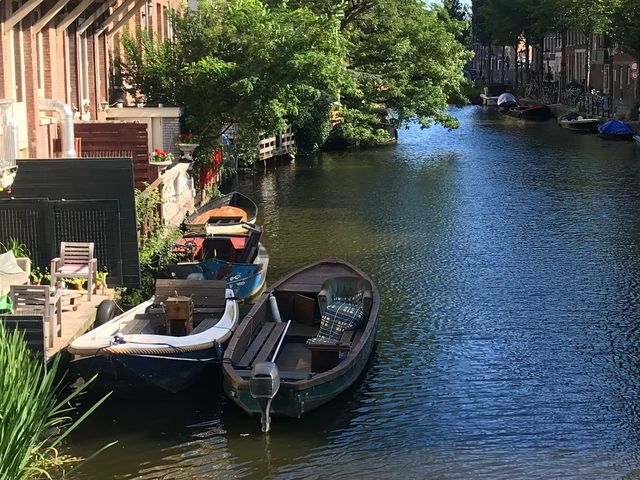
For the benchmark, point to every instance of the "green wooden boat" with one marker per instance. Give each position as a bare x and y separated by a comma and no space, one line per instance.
281,359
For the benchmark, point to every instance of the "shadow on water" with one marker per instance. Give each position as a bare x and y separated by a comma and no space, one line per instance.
507,257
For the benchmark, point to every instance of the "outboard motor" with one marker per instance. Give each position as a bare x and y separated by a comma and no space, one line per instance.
264,385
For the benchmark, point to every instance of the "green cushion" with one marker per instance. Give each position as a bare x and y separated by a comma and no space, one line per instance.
337,318
6,305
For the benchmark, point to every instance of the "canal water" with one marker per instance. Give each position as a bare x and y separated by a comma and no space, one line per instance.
508,259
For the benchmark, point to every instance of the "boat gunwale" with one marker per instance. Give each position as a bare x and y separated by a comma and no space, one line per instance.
252,215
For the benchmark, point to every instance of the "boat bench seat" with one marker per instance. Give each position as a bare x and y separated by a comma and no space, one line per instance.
263,344
205,324
327,354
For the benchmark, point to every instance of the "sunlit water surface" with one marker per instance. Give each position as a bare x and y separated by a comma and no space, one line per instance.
507,256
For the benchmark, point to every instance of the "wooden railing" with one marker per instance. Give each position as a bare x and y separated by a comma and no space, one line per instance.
284,143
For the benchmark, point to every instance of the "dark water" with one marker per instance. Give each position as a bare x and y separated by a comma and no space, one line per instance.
507,255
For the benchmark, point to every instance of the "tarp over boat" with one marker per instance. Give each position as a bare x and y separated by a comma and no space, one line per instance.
507,99
615,127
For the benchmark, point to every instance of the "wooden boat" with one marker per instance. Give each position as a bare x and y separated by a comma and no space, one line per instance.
164,343
529,112
276,362
224,215
616,130
579,123
239,260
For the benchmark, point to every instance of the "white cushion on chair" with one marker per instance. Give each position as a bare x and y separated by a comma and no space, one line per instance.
8,264
74,269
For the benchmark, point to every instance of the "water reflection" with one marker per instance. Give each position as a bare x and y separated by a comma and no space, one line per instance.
507,258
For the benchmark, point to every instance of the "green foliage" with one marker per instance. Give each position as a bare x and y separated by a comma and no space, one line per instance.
33,421
18,249
266,64
155,244
406,60
240,61
38,274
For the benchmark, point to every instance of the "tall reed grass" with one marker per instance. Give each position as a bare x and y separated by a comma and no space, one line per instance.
33,419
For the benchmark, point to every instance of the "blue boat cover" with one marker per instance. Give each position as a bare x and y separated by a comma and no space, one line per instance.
615,127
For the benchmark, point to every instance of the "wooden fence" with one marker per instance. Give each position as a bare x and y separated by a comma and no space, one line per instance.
284,143
117,140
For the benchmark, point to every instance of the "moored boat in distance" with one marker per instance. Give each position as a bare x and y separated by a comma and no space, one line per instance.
306,339
529,112
616,130
162,344
577,122
224,215
506,101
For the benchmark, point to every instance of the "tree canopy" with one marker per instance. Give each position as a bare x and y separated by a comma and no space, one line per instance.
267,63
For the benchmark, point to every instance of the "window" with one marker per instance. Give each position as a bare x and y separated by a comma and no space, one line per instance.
628,75
605,79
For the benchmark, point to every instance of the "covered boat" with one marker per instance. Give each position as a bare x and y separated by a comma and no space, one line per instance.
239,260
579,123
224,215
616,130
306,340
162,344
506,101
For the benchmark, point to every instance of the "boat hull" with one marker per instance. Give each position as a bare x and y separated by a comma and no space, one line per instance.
619,137
536,113
129,374
580,126
292,401
246,280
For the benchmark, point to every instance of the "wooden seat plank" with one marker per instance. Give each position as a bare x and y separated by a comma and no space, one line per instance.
255,345
271,342
205,324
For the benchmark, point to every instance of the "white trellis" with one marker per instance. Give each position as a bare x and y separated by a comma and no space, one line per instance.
9,145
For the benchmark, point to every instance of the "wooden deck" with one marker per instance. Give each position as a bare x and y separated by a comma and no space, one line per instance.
76,318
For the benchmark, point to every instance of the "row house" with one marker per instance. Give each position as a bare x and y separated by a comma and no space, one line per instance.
612,70
57,67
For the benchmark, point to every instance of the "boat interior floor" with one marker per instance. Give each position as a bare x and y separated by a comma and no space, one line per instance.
156,324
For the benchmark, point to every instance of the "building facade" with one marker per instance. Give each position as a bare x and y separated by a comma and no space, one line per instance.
57,63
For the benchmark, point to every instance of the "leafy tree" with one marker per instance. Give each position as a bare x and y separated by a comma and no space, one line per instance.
264,64
404,59
241,61
590,17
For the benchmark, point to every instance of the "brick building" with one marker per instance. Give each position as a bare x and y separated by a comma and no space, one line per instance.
57,64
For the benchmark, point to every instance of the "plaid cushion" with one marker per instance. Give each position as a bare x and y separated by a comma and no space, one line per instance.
337,318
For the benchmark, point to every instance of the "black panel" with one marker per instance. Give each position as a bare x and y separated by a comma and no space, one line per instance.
95,221
73,180
33,328
29,222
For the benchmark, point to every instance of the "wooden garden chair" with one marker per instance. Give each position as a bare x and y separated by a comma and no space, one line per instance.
76,261
39,300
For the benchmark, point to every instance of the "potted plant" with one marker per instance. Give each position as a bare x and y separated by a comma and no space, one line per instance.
36,276
75,283
161,158
187,143
101,280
